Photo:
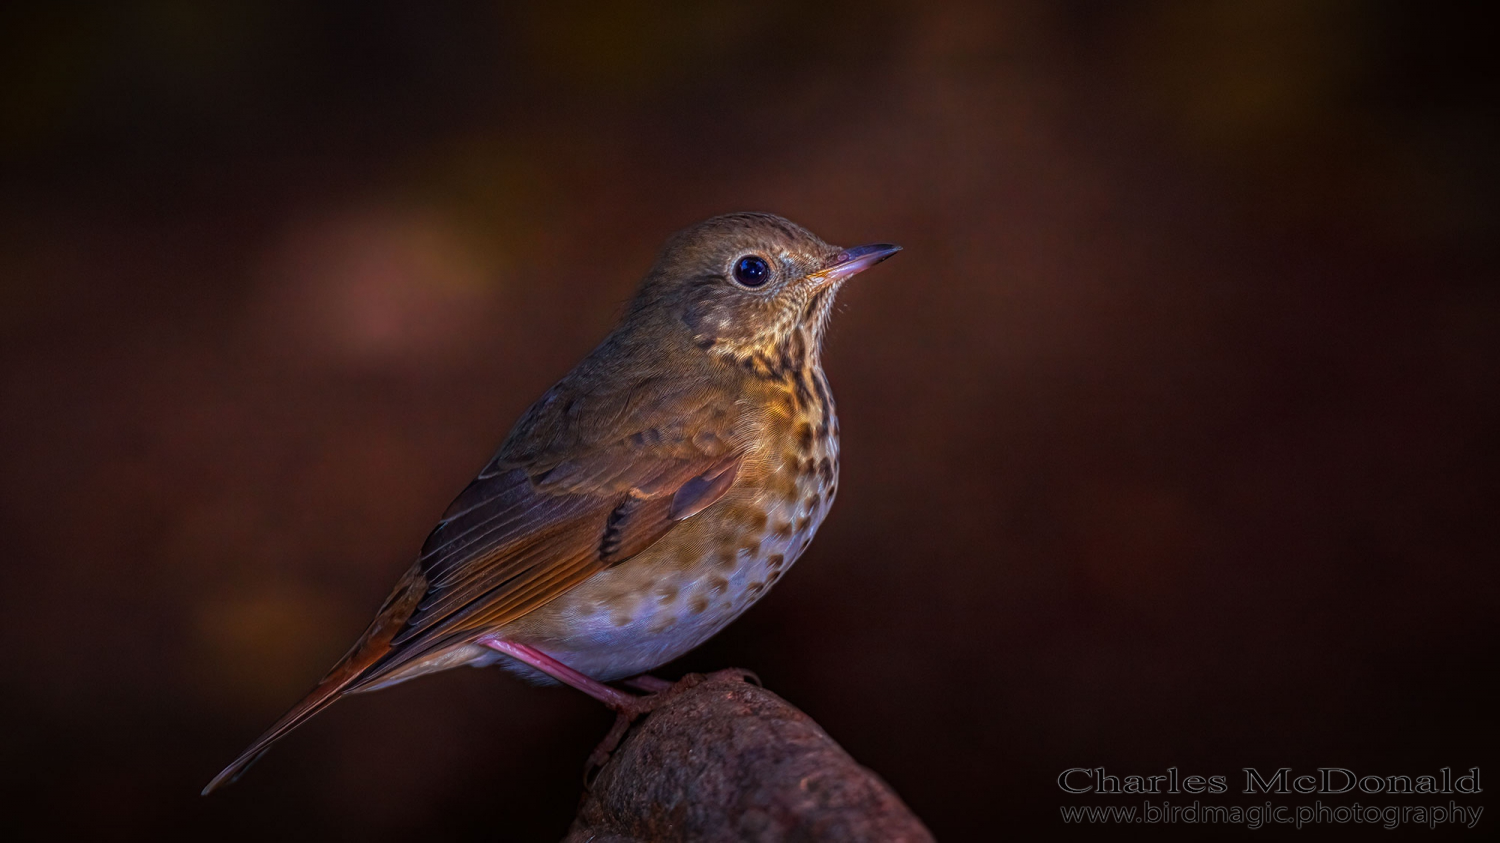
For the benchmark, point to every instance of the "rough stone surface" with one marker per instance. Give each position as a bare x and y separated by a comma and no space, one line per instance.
727,760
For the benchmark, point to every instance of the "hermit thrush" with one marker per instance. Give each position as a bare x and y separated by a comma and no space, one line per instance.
648,498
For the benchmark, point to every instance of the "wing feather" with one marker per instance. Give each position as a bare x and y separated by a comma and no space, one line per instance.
515,540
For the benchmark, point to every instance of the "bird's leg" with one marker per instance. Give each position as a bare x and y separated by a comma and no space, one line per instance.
648,684
627,706
615,699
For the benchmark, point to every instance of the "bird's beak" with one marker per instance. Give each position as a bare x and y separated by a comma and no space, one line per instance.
851,262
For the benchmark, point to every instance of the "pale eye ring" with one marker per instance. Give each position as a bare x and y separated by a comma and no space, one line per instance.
752,271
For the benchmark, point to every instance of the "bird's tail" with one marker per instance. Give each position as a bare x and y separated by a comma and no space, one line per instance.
370,649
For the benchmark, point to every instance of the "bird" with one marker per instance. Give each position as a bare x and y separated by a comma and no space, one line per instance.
647,499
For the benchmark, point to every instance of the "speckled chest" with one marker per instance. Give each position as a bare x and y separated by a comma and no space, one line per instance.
656,606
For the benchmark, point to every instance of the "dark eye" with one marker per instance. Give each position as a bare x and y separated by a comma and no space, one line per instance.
752,271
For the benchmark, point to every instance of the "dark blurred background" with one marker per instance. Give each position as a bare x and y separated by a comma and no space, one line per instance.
1168,441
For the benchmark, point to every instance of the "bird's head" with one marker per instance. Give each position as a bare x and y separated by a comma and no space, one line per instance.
755,289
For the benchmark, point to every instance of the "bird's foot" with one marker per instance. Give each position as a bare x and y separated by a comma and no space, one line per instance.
740,673
633,708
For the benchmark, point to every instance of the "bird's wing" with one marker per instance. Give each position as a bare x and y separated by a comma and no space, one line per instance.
516,539
535,523
584,482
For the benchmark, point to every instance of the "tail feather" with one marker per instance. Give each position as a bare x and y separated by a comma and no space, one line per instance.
321,697
367,653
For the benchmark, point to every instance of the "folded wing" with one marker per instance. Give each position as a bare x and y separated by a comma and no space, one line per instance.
516,538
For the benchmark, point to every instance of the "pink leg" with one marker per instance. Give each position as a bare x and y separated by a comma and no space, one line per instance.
648,683
616,700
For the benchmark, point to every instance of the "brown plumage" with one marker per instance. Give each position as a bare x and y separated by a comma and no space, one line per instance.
647,498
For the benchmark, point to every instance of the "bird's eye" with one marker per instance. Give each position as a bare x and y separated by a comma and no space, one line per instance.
752,271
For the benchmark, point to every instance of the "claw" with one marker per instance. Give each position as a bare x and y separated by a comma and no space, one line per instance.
637,707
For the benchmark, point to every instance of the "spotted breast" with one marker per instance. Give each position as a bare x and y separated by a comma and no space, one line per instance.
669,599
